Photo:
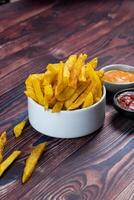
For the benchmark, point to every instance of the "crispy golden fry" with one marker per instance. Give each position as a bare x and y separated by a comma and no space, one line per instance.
98,85
48,90
93,63
6,163
59,88
49,78
32,161
29,84
60,84
52,102
79,101
19,128
38,91
29,80
3,141
30,93
48,94
66,94
66,75
76,70
100,73
88,100
71,61
78,92
95,81
82,76
58,107
54,68
67,67
46,103
60,73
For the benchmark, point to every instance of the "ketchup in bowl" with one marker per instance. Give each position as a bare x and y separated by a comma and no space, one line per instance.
126,100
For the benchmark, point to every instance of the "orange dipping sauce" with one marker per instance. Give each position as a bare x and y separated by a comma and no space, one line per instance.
118,76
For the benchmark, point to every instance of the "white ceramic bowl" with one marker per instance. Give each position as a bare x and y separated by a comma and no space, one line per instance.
67,124
114,87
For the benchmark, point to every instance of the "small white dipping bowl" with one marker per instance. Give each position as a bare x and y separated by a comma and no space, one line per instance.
67,124
114,87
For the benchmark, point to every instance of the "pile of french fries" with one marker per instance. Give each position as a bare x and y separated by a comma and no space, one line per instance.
69,85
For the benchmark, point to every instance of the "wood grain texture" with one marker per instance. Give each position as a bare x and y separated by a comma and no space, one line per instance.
96,167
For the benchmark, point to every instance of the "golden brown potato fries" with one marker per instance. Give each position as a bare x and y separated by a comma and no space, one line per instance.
67,68
64,82
57,107
88,100
79,101
32,161
38,91
76,70
19,128
78,91
6,163
93,63
3,141
66,94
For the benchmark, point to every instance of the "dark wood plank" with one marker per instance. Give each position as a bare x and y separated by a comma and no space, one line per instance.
99,166
19,11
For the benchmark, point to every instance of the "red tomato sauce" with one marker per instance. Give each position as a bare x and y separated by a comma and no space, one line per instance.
126,100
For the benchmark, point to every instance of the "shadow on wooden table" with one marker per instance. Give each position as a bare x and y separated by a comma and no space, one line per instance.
118,122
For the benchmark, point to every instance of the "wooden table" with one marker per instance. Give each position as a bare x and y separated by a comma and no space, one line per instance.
34,33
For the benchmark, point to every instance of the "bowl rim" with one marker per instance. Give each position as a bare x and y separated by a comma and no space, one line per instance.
116,66
117,94
72,111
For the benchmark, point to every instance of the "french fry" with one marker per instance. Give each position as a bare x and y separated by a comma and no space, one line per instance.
52,102
38,91
30,93
71,61
76,70
100,73
66,94
49,78
3,141
46,103
48,94
29,85
60,84
98,84
78,92
59,88
32,161
54,68
60,73
48,90
6,163
67,67
30,78
19,128
57,107
93,63
88,100
79,101
82,76
95,81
